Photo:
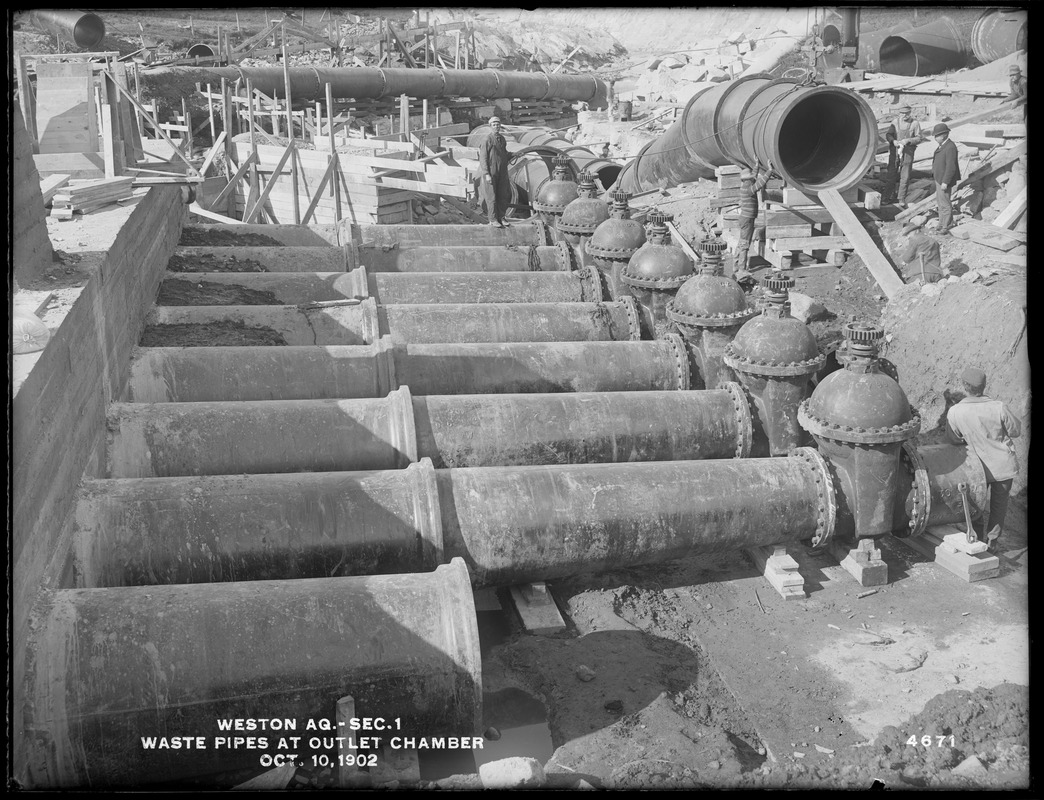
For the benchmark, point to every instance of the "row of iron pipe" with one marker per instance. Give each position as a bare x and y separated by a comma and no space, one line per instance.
202,374
169,439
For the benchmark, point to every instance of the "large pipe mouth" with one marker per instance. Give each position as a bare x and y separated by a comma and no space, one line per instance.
824,140
89,31
897,56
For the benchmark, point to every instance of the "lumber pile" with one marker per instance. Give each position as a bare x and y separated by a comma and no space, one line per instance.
86,196
50,184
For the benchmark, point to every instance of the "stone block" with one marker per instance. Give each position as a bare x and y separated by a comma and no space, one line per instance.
512,773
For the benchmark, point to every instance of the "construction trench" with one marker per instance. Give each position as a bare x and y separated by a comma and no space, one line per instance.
306,481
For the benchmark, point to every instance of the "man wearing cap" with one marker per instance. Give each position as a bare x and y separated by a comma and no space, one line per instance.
905,132
1017,86
493,166
946,173
987,427
752,181
921,256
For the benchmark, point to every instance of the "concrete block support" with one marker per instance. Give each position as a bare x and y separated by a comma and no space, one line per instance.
168,439
200,374
114,666
511,524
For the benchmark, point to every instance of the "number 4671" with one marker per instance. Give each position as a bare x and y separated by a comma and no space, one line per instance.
926,741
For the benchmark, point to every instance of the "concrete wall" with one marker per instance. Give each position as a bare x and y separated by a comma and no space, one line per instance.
32,251
58,425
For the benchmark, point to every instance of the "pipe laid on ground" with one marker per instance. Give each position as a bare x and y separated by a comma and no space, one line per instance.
151,440
510,524
999,32
202,374
816,137
208,288
83,30
113,666
474,258
522,233
362,322
308,83
927,50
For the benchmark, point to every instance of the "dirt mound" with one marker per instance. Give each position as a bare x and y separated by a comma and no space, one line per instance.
215,334
934,332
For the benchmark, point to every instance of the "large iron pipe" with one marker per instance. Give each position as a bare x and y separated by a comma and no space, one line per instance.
928,490
870,46
111,667
307,83
81,29
511,524
204,374
156,440
816,137
532,233
362,322
581,286
999,32
475,258
928,50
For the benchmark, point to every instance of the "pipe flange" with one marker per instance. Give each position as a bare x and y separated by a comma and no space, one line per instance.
716,321
744,421
681,360
549,208
612,253
565,257
772,369
578,230
545,230
591,285
818,426
922,490
826,515
634,321
665,284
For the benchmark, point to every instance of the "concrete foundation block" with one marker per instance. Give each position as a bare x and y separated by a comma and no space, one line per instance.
512,773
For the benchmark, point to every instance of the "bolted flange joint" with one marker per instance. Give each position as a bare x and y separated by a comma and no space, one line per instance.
857,435
826,514
736,318
772,369
565,257
921,494
681,359
744,423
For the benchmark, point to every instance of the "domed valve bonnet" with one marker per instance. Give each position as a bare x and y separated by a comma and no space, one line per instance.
892,420
658,266
584,214
559,192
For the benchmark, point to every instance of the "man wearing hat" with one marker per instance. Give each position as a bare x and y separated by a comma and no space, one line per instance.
987,427
946,173
493,169
921,256
1017,85
904,134
752,181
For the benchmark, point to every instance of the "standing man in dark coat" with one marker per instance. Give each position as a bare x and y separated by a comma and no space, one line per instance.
493,166
946,173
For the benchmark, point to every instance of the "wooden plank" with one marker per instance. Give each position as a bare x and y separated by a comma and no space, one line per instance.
1011,213
51,184
452,190
872,257
250,217
806,243
231,187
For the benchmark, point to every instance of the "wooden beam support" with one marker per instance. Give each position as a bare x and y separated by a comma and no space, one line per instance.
249,218
872,257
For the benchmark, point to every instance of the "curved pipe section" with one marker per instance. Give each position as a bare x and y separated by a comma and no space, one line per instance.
83,30
998,33
307,83
817,137
927,50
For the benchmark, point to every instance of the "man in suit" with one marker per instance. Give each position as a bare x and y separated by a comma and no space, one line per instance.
493,169
946,172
